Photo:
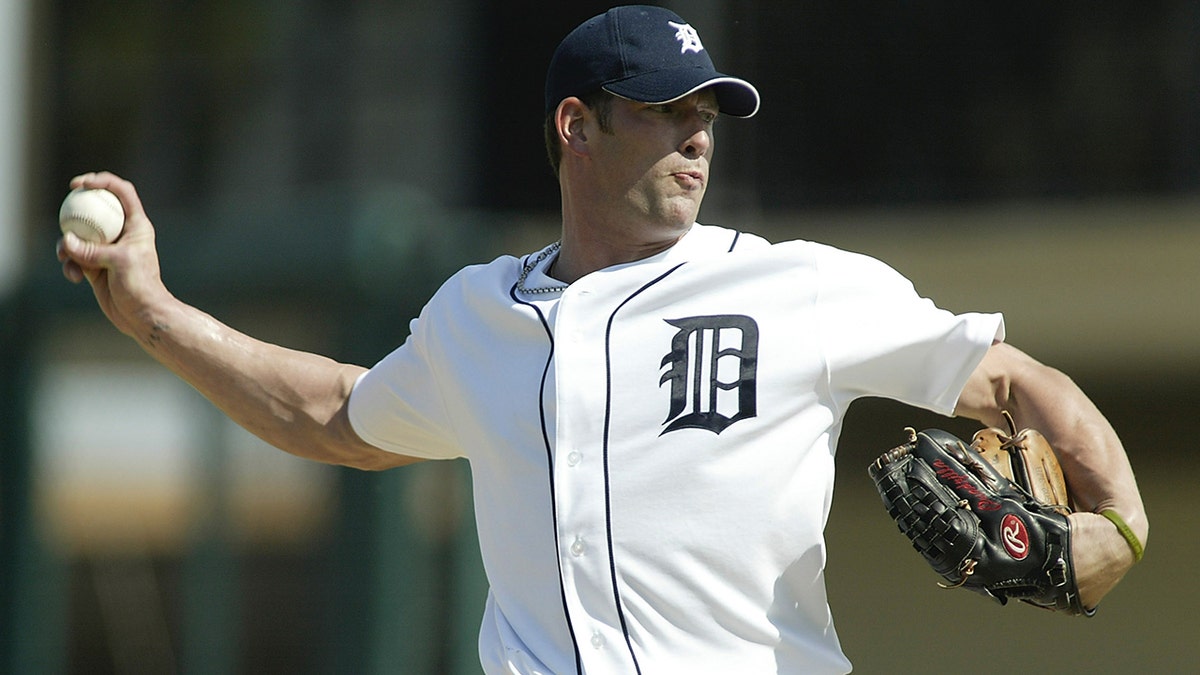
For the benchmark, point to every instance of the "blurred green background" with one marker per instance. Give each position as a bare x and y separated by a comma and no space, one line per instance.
315,169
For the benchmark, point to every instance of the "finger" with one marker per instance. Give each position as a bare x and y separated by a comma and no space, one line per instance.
123,189
71,269
136,221
80,180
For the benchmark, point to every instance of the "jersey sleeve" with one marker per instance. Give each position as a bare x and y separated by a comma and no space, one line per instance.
882,339
397,405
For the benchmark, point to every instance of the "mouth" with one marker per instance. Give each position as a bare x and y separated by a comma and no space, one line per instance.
689,179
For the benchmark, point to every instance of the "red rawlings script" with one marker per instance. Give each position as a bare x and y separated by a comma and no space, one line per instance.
964,486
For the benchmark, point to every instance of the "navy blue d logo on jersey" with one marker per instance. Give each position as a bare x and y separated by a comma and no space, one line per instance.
711,368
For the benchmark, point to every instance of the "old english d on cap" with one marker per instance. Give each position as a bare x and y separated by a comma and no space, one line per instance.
645,54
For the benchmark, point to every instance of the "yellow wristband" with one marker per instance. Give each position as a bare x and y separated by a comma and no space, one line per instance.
1123,528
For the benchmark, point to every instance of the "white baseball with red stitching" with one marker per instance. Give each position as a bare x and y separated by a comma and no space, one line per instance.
92,215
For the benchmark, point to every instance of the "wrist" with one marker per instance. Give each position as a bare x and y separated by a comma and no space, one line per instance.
154,318
1135,544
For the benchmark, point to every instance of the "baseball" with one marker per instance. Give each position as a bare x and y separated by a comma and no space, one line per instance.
92,215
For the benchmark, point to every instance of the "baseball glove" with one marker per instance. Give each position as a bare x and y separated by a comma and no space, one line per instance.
1025,458
976,527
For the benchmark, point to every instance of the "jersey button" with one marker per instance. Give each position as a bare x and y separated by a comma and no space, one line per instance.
578,548
597,640
574,458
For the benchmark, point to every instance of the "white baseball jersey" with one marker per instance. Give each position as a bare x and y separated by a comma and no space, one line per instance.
652,448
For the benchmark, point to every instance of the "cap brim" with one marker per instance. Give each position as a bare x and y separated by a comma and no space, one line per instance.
735,96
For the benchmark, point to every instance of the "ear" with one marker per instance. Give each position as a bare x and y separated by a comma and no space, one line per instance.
570,119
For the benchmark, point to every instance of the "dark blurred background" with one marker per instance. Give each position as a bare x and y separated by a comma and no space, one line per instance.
316,168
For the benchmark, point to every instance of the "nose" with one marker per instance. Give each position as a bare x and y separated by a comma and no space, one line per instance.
698,144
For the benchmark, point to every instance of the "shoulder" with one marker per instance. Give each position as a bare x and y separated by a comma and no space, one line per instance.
829,272
840,266
480,295
829,259
497,270
493,279
718,239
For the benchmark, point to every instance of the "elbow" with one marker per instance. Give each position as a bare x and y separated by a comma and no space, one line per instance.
337,444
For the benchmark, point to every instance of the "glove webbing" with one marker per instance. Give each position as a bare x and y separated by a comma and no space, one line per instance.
926,520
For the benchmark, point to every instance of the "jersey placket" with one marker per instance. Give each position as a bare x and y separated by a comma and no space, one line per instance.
579,473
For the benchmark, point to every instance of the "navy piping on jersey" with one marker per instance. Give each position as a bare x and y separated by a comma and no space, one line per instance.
733,244
612,561
550,468
608,392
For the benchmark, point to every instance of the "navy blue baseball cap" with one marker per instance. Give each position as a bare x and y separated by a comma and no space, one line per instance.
642,53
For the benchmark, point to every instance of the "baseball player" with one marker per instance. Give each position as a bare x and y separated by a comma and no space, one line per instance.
650,406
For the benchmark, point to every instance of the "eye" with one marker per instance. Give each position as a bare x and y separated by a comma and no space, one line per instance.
709,116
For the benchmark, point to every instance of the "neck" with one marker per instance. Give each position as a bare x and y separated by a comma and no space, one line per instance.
581,255
591,243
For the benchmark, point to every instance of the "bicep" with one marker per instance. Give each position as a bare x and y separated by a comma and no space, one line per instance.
1043,398
318,425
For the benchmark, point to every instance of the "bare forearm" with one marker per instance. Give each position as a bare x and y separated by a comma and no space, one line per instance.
1099,476
291,399
1090,452
1092,456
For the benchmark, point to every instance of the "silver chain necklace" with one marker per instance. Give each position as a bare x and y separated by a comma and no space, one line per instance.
530,266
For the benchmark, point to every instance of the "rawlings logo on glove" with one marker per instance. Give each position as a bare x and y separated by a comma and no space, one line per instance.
1016,539
990,516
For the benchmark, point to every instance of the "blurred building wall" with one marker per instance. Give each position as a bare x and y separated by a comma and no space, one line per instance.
314,169
15,72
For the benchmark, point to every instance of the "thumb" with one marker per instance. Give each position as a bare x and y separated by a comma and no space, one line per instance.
86,253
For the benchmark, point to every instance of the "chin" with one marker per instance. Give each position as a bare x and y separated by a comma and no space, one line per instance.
683,220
